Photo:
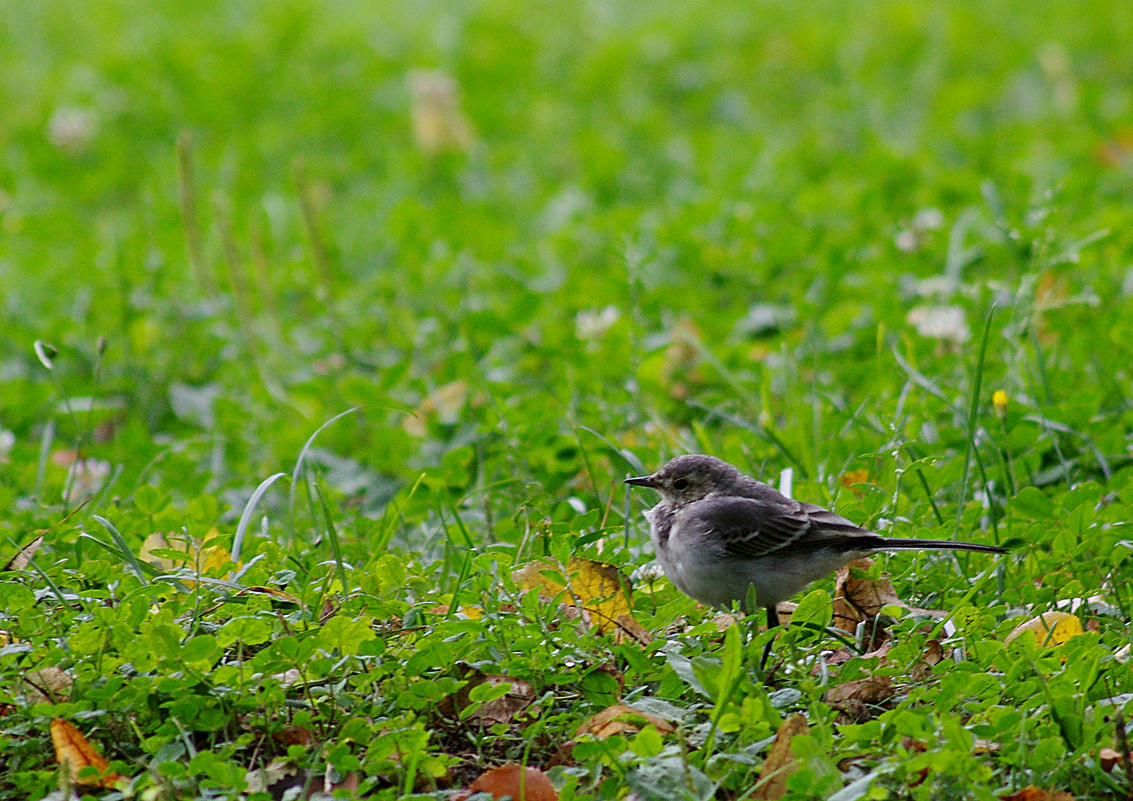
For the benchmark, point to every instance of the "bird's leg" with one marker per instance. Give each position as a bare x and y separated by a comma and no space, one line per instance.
772,622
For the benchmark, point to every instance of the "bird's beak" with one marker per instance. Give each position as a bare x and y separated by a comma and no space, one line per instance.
643,481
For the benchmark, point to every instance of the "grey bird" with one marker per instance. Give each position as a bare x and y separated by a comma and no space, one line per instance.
718,532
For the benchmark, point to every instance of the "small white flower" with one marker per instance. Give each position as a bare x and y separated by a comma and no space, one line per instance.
592,324
648,573
928,219
7,440
944,322
906,241
72,127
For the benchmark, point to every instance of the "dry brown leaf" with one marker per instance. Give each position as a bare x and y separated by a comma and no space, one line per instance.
47,685
855,698
282,779
599,588
1109,758
630,630
785,609
294,735
489,713
1032,793
867,596
522,784
24,556
75,751
780,762
619,719
843,655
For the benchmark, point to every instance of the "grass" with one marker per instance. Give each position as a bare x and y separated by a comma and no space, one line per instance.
674,227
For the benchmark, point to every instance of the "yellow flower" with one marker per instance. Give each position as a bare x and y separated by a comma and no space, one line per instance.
999,401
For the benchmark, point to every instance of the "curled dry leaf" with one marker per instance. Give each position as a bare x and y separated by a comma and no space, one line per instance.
1049,628
24,556
621,719
780,763
75,751
500,710
521,784
598,588
855,698
858,599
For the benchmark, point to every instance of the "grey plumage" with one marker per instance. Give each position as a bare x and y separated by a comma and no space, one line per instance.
718,532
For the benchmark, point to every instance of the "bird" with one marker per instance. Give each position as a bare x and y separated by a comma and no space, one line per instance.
719,534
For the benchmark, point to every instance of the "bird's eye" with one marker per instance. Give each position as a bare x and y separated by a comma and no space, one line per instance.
680,484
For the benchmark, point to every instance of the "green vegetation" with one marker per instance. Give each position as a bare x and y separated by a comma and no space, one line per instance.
809,236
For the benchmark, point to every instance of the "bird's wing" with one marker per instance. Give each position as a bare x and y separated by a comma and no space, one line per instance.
832,524
751,528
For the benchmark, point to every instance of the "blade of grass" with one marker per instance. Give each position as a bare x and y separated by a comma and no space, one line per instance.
246,515
973,412
332,535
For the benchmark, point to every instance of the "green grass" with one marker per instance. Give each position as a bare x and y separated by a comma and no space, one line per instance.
760,194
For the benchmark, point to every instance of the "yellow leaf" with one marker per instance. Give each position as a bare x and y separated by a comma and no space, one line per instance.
600,589
75,751
208,558
1049,628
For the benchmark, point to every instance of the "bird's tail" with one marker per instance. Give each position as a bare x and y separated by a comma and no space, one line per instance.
891,544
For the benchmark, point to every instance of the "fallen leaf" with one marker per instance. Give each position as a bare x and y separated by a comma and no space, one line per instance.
47,685
1049,628
866,596
1032,793
780,762
522,784
855,698
1109,758
619,719
24,556
630,630
851,478
489,713
293,735
599,588
75,751
462,613
207,558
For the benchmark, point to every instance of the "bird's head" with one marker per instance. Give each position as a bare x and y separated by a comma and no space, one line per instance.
691,477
